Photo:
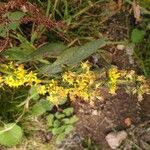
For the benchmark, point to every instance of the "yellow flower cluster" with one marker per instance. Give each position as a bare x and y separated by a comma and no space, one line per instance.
136,84
57,93
142,85
114,75
83,83
1,81
17,76
73,84
80,83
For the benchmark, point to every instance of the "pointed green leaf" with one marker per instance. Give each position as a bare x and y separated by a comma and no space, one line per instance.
73,56
48,50
15,53
16,15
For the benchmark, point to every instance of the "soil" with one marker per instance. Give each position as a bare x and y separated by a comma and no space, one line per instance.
119,112
95,122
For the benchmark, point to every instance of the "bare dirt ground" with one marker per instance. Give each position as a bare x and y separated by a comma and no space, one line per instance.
119,112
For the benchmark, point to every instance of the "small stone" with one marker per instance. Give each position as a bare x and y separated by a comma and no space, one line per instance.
24,9
120,47
115,139
95,112
109,112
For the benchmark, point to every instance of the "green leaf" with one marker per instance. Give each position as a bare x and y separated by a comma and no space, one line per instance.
49,50
47,104
73,119
137,35
34,93
68,129
10,135
73,56
60,137
25,45
68,111
17,15
70,120
66,121
38,109
56,123
56,131
50,120
15,53
58,115
3,31
144,3
13,25
41,107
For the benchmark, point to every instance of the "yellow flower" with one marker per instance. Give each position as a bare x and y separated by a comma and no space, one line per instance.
86,66
1,79
17,77
56,93
54,99
12,82
112,89
130,75
86,78
69,77
41,89
114,75
52,83
79,92
141,79
31,78
20,72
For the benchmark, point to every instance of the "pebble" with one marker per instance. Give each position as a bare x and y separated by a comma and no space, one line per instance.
95,112
115,139
120,47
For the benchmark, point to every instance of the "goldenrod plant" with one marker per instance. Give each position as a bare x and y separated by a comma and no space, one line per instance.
83,83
